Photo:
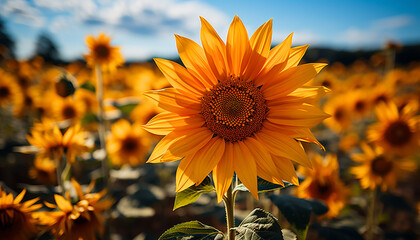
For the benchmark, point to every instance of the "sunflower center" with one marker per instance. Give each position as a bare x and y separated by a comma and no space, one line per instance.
322,190
398,133
129,145
326,83
381,166
102,51
339,114
69,112
381,98
359,106
4,92
234,109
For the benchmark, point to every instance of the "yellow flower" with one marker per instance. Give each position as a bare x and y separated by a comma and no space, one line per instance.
53,144
10,91
323,183
359,102
17,218
128,144
44,171
102,53
396,132
81,220
340,112
237,108
68,108
379,169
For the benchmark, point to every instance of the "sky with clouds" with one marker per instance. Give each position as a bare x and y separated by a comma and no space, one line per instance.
144,28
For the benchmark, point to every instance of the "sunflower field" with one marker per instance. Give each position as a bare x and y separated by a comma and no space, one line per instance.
238,138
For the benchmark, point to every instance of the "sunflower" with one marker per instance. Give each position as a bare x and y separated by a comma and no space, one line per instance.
341,117
88,98
10,91
323,183
396,132
382,93
17,218
102,53
360,103
237,108
68,108
81,220
53,144
379,169
128,144
44,171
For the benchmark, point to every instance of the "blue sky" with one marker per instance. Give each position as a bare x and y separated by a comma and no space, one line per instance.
145,28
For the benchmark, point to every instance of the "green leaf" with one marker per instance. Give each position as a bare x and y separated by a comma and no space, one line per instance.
192,193
263,186
298,211
89,86
89,117
191,230
126,109
259,225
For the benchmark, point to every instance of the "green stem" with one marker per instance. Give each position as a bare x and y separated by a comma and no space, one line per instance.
59,171
229,201
101,118
371,221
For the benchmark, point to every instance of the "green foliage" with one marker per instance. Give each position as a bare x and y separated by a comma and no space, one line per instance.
259,225
263,186
192,193
89,117
88,86
298,211
191,230
126,109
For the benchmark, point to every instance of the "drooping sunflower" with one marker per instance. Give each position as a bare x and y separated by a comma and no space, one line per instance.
17,219
237,108
323,183
52,143
396,132
128,144
81,220
380,169
102,53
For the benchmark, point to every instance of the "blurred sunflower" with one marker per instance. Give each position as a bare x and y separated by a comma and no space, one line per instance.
10,91
44,171
323,183
68,109
237,108
381,93
102,53
341,117
396,132
359,103
88,98
128,144
53,144
379,169
17,219
81,220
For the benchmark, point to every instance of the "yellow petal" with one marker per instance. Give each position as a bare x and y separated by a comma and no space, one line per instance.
245,167
265,165
304,115
162,147
295,55
223,172
166,122
19,197
194,59
170,100
286,169
183,180
238,47
62,203
283,146
191,141
78,189
179,77
260,45
283,83
215,50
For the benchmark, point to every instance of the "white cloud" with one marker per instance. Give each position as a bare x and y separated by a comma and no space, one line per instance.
393,22
22,12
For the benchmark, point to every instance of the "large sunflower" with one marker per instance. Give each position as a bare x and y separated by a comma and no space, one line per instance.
396,132
17,218
379,169
237,108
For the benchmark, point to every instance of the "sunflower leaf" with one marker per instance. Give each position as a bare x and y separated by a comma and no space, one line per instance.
89,86
192,193
126,109
259,225
298,211
191,230
263,186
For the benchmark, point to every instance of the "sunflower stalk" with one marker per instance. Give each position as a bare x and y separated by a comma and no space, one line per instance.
59,172
229,200
101,119
371,218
